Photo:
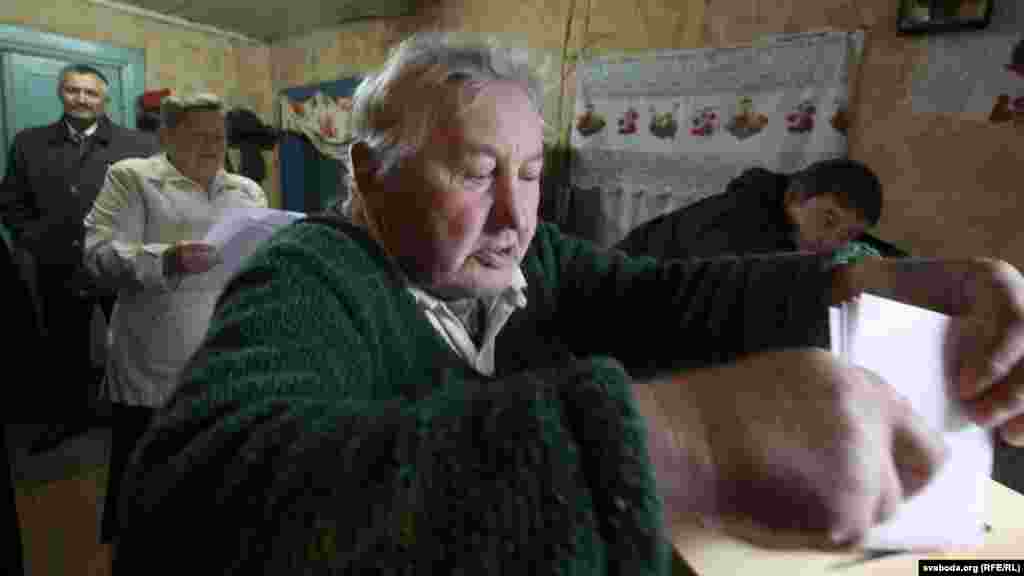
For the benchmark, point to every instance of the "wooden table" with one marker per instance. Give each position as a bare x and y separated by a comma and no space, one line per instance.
712,553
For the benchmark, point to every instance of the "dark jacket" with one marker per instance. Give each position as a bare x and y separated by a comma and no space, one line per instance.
23,342
251,136
748,218
324,427
50,187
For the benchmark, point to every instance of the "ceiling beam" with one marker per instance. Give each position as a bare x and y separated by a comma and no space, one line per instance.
175,20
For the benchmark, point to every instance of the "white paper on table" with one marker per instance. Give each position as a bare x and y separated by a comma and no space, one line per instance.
904,345
236,235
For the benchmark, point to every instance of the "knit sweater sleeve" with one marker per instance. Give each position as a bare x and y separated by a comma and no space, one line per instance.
655,316
287,449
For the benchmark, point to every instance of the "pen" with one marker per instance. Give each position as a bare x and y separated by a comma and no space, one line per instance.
870,555
867,556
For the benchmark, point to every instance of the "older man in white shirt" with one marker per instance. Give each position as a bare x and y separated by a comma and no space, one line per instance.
142,238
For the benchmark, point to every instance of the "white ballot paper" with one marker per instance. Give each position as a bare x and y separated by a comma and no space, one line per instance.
904,345
237,234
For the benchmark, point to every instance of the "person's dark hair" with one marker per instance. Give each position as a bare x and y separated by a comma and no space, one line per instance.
854,185
81,69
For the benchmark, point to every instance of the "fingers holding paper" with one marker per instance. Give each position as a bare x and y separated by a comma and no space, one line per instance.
918,451
815,453
988,349
186,258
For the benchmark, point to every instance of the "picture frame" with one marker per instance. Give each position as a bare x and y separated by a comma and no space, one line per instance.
937,16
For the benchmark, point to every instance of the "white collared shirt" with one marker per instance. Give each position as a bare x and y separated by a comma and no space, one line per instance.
145,206
87,132
454,332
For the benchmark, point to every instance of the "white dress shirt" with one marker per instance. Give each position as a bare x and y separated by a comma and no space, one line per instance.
145,206
84,133
452,329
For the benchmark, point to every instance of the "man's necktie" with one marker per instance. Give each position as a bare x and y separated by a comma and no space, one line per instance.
82,141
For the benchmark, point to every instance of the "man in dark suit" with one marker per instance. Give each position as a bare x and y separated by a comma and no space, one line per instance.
53,175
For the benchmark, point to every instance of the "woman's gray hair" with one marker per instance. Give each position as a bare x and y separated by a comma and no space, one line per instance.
173,107
395,110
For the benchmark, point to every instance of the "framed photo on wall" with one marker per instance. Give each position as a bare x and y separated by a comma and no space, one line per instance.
934,16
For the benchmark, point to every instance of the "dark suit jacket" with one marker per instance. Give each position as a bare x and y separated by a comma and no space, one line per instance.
23,336
50,187
747,218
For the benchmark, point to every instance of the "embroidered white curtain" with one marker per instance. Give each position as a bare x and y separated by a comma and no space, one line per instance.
661,130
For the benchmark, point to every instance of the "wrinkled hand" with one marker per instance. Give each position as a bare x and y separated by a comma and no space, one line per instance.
190,258
803,449
987,349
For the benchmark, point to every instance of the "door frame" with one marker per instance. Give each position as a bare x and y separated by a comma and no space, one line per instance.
130,61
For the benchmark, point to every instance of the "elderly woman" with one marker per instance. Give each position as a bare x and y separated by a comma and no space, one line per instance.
141,240
443,385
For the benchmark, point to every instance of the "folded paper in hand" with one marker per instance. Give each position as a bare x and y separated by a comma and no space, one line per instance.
904,345
236,235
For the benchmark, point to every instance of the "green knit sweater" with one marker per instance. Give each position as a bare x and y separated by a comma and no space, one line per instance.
325,428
